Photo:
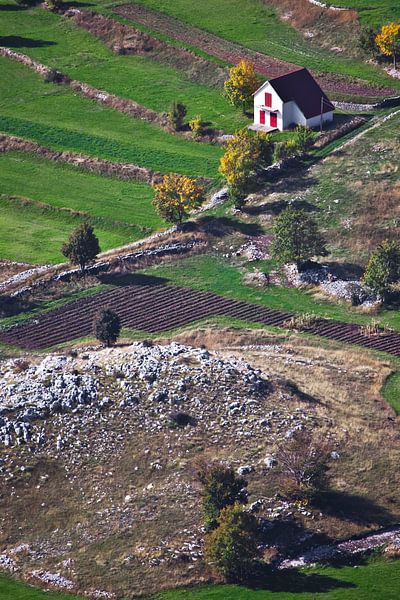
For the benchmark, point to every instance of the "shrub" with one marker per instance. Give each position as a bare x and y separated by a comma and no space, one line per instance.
367,40
175,196
181,419
297,238
82,246
285,150
301,322
221,488
176,115
107,327
196,126
304,138
231,549
383,269
303,463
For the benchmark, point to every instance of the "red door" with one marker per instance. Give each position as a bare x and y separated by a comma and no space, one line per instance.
262,117
273,120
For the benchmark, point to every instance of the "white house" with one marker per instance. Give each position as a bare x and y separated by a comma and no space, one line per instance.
292,99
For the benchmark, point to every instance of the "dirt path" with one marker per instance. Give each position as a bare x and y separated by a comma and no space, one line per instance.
155,307
233,53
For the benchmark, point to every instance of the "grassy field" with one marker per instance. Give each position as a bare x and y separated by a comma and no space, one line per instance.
391,391
56,117
122,210
378,581
255,25
57,42
375,13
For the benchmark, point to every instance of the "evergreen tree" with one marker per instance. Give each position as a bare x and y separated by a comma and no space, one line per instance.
221,488
297,238
107,327
82,246
231,549
383,268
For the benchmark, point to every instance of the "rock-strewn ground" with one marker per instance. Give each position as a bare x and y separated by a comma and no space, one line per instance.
98,487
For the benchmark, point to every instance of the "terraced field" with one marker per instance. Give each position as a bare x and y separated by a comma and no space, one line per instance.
253,24
160,308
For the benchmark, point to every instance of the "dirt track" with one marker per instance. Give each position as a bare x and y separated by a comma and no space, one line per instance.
155,307
233,53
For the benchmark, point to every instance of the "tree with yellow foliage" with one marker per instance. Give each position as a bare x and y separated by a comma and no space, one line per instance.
388,41
176,196
245,153
242,83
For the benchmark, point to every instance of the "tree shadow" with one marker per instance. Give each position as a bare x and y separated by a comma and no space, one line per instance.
126,279
275,208
11,7
354,508
77,4
16,41
294,581
222,226
294,389
9,306
347,271
288,180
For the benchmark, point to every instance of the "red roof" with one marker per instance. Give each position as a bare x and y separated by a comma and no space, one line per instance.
301,87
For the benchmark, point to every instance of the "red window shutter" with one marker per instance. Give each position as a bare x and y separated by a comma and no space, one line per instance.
268,99
274,120
262,117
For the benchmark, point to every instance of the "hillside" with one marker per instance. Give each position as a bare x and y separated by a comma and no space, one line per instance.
111,445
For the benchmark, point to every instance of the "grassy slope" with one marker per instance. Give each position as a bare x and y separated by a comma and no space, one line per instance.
375,13
57,42
122,210
255,25
54,116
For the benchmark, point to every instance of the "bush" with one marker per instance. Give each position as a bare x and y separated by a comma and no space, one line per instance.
107,327
367,40
231,549
221,488
286,150
176,115
304,138
303,463
383,269
196,126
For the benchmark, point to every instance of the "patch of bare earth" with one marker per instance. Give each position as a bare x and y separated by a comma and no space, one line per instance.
233,53
109,499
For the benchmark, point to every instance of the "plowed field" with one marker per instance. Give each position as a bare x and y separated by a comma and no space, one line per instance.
157,308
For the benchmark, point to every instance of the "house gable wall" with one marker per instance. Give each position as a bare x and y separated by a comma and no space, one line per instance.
276,105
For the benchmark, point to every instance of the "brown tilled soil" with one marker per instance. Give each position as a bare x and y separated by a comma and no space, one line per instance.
151,306
233,53
123,39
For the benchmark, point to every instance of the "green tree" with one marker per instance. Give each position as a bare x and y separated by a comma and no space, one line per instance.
304,137
383,269
107,327
367,40
221,488
82,246
176,115
231,549
297,238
